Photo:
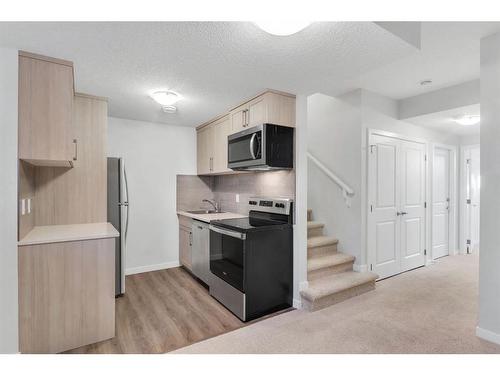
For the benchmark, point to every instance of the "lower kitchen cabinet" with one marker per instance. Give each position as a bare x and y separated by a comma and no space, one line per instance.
185,242
66,294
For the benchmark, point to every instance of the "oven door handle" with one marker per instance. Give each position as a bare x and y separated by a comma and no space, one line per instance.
226,232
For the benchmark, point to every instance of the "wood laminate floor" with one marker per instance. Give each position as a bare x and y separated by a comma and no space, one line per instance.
163,311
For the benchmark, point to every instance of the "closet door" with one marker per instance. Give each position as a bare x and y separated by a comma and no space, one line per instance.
412,204
396,212
383,221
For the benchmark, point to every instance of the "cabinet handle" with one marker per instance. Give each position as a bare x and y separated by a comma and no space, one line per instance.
75,142
190,238
245,118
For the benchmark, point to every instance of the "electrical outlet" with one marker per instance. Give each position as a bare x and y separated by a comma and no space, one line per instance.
237,198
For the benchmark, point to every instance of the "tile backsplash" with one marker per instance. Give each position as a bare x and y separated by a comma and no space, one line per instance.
192,189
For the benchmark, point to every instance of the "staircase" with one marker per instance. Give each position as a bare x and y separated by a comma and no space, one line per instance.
330,273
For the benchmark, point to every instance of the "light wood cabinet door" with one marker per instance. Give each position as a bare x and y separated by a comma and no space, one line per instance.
66,295
203,150
45,112
185,244
222,128
280,109
257,111
238,118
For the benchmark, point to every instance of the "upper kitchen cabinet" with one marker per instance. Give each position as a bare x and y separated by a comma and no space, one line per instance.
270,107
212,147
46,90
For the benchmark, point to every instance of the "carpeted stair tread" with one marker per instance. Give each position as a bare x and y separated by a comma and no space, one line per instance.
314,225
329,260
335,284
321,241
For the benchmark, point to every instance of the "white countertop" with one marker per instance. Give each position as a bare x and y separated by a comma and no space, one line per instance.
64,233
207,218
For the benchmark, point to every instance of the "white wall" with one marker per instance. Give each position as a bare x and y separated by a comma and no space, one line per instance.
154,154
337,136
8,205
334,137
300,227
489,255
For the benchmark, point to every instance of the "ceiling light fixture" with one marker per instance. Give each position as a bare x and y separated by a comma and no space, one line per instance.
166,99
282,28
467,120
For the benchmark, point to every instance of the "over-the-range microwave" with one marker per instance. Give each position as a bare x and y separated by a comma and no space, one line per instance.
262,147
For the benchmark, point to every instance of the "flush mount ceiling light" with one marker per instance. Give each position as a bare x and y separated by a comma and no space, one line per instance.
166,99
467,120
282,28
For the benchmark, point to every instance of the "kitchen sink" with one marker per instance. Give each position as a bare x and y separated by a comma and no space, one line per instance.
198,212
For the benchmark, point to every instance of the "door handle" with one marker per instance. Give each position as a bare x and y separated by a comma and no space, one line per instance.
401,213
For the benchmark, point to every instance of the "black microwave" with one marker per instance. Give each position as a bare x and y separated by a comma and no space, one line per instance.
262,147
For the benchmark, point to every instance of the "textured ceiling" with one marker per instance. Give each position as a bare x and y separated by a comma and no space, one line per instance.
215,65
443,121
449,55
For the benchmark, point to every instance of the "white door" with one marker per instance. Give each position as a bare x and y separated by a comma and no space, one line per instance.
440,203
396,190
412,205
473,198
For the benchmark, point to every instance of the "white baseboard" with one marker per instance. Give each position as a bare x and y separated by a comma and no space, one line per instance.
360,267
297,303
488,335
151,267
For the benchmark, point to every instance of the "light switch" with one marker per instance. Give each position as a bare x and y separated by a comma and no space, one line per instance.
237,198
23,206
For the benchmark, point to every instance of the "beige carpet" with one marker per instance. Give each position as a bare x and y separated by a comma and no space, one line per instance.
429,310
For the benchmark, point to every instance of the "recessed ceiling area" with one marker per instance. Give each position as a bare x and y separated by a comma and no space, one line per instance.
444,121
216,65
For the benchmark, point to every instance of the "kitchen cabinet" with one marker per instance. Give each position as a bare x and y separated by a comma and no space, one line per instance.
270,107
185,242
46,90
201,251
212,147
66,294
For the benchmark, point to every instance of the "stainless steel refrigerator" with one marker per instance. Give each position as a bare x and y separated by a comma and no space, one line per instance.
118,215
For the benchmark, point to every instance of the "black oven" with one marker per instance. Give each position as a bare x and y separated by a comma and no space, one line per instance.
262,147
251,259
227,255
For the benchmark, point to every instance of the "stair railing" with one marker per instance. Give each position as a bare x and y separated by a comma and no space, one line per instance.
347,191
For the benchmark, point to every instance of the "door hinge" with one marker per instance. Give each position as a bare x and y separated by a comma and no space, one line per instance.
425,204
425,157
468,161
468,201
371,267
468,242
371,208
425,251
371,148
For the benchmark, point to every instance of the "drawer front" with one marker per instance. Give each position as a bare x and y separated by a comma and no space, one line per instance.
185,221
232,298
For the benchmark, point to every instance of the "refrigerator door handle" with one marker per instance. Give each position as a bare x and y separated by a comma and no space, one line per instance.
126,203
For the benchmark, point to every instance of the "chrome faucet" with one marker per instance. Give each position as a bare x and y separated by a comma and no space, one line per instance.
214,204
